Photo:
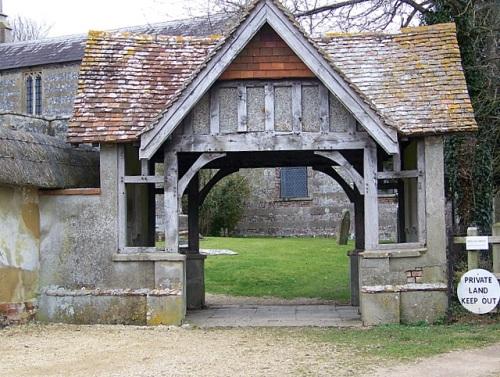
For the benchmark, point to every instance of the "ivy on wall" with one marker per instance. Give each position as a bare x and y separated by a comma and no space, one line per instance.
472,161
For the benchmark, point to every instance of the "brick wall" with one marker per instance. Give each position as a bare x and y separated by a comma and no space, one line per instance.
267,56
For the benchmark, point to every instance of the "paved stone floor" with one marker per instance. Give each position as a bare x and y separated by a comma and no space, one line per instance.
275,316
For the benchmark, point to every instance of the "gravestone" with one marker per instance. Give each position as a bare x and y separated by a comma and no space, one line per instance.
344,227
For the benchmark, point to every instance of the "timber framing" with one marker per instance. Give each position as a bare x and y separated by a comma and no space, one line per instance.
266,12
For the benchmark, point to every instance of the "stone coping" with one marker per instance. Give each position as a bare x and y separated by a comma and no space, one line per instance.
149,257
73,191
401,253
411,287
63,292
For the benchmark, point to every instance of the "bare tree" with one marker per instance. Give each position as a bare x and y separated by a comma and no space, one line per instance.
25,29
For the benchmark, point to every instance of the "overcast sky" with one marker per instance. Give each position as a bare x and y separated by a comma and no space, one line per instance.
75,17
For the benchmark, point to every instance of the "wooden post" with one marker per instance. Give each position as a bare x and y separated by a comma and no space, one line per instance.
472,255
495,231
171,202
371,197
193,215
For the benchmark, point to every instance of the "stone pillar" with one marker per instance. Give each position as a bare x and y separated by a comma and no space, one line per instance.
171,202
195,281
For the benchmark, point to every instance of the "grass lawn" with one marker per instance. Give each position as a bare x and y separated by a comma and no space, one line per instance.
279,267
409,342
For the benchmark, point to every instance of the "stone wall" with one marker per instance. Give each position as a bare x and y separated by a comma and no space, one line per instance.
267,214
59,84
19,253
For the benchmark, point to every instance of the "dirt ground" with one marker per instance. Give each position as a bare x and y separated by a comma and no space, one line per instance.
105,351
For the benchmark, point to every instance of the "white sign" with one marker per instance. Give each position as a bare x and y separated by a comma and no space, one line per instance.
476,243
478,291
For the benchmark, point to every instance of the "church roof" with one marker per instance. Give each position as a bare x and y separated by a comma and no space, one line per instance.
70,48
413,80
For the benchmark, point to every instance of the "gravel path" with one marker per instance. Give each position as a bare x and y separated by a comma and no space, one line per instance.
105,351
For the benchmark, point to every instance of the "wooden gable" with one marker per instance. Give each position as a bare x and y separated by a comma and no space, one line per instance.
267,56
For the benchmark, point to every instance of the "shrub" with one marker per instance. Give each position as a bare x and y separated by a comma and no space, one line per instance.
224,205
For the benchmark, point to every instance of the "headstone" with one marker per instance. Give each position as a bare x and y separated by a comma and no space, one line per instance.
344,228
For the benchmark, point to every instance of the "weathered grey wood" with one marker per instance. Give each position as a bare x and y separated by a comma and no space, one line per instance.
269,107
324,109
350,192
193,215
359,222
398,174
267,141
371,197
213,181
421,199
171,202
340,160
204,159
144,167
151,216
122,199
152,140
396,162
495,232
214,112
242,109
472,255
494,240
401,212
296,107
385,136
142,179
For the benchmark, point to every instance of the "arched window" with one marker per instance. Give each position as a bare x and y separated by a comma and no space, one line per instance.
33,82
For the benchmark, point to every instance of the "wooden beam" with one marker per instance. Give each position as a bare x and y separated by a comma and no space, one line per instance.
193,215
267,141
142,179
152,140
204,159
214,112
421,199
171,202
269,107
386,137
398,174
340,160
297,107
122,198
371,197
213,181
242,108
324,108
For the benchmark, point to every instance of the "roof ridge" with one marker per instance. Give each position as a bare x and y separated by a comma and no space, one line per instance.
448,26
124,29
106,34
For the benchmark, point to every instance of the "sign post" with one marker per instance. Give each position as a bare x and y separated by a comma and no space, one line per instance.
479,291
474,243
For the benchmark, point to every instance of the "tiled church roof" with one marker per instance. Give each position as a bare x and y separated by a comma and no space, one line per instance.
413,80
71,48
